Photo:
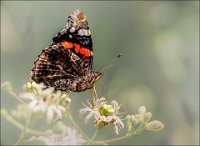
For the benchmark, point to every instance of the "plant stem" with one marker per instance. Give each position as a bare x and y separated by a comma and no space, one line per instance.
13,94
8,88
75,124
138,131
114,139
94,93
23,132
10,119
95,134
91,141
21,101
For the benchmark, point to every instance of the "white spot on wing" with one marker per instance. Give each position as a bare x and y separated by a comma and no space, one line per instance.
80,32
72,29
84,32
91,53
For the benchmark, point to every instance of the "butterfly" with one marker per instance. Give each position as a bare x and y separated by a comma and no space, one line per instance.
66,64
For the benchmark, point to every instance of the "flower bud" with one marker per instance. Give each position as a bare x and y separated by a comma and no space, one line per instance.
141,110
34,85
154,126
134,120
7,86
29,85
64,99
106,110
147,116
129,123
139,118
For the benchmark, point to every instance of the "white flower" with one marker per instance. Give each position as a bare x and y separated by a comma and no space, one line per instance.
103,113
154,126
93,109
45,100
72,137
21,112
142,110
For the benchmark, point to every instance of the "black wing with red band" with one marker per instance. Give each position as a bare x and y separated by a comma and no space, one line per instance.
76,36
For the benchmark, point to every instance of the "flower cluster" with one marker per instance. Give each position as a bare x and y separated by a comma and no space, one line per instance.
54,104
71,137
46,100
138,122
103,113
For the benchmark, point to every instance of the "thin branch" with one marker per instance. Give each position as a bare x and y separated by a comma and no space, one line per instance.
114,139
69,116
93,137
8,88
94,93
10,119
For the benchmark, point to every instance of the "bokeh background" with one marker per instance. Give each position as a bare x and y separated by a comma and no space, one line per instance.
159,67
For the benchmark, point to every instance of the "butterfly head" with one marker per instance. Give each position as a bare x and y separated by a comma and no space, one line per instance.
97,76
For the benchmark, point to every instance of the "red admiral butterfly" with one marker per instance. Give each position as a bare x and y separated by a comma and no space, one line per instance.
67,63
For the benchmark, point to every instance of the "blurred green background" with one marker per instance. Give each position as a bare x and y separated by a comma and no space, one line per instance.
159,67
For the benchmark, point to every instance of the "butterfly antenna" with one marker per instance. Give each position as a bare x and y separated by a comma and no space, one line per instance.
111,63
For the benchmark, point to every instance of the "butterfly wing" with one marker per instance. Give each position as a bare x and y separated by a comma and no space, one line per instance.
56,64
77,33
69,58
